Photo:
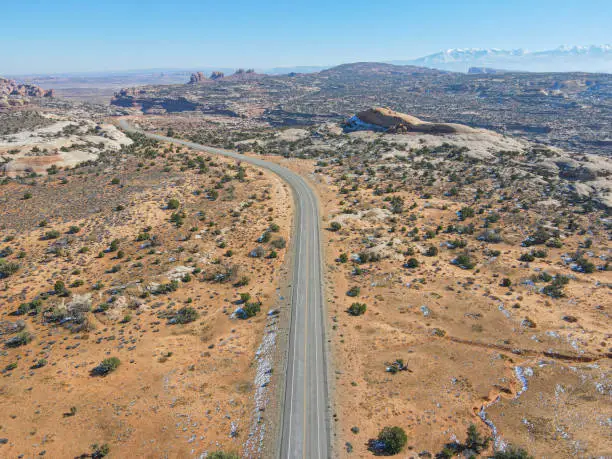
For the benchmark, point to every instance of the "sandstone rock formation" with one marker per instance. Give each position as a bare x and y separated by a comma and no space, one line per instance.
12,88
196,78
216,75
244,72
387,120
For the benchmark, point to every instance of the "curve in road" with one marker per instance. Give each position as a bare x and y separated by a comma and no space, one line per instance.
304,425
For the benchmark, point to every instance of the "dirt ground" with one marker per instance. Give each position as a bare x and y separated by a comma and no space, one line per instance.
485,344
540,367
181,389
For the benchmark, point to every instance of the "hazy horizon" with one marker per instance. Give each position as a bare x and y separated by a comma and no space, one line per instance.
71,37
209,68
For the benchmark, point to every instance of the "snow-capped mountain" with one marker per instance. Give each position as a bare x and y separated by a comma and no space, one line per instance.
468,54
594,58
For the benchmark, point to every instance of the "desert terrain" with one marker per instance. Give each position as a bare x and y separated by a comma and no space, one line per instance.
467,269
483,264
166,259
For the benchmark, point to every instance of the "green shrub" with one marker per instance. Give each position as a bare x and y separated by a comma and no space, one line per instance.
251,309
466,212
542,277
10,367
99,451
60,288
368,257
540,236
412,263
222,455
52,234
172,286
114,245
335,226
431,251
464,261
279,243
555,289
457,243
106,366
539,253
143,237
554,242
20,339
584,265
491,236
8,268
173,204
397,204
512,452
492,218
244,297
35,306
393,438
474,440
177,218
40,363
244,280
357,309
184,316
353,291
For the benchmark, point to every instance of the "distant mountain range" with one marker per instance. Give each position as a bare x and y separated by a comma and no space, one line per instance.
594,58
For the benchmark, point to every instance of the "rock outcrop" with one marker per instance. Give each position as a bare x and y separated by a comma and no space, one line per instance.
12,88
384,119
216,75
196,78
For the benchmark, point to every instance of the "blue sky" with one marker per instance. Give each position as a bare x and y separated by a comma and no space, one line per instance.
49,36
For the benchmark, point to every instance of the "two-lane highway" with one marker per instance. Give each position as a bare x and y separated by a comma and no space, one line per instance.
304,429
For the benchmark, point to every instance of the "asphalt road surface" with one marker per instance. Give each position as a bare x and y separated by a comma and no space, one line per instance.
304,430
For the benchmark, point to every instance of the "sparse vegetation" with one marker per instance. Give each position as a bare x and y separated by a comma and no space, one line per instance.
173,204
391,441
8,268
335,226
20,339
106,367
222,455
357,309
184,316
512,452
